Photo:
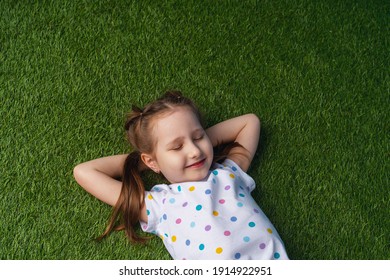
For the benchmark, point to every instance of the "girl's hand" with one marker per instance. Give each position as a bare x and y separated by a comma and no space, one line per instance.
244,130
98,177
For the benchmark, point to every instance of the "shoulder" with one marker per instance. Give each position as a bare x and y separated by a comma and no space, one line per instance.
235,173
231,166
159,190
152,207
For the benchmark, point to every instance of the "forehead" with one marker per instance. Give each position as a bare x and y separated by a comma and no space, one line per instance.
177,123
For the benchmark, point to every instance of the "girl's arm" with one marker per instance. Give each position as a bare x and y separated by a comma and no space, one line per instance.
98,177
245,130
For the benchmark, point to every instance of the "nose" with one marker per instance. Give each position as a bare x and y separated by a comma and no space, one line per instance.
194,151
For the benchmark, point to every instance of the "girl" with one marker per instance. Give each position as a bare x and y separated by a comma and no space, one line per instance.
206,212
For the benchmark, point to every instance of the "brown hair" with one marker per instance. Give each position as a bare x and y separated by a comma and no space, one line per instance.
138,130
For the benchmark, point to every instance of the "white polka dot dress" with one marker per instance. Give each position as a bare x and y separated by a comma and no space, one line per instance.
212,219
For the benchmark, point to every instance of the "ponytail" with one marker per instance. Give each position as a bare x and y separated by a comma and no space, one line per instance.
130,201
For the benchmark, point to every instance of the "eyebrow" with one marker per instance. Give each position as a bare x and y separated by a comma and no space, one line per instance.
180,138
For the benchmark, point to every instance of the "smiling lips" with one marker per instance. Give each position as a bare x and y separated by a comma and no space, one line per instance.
197,164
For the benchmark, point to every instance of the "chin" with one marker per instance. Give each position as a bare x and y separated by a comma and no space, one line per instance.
199,176
194,175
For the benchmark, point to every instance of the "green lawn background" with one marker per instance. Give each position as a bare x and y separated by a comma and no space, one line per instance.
315,72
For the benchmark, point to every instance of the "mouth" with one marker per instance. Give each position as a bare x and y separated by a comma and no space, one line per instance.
197,164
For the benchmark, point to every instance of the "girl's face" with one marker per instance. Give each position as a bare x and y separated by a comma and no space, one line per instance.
183,151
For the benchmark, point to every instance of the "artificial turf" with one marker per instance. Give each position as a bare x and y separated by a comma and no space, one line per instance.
315,72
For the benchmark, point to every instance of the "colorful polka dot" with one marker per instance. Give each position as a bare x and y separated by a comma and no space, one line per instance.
223,200
214,181
163,201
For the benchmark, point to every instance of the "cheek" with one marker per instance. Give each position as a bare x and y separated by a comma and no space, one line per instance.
171,161
207,147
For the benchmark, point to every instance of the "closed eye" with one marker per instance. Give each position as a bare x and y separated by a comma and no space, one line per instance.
177,148
199,137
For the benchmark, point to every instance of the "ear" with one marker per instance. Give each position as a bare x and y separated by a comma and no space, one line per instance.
150,162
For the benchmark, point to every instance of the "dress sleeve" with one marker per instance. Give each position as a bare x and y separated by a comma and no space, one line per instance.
153,201
247,180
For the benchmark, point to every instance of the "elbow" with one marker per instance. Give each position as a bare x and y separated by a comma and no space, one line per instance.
255,125
77,173
254,120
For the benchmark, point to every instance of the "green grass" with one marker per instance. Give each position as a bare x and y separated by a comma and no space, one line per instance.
315,72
